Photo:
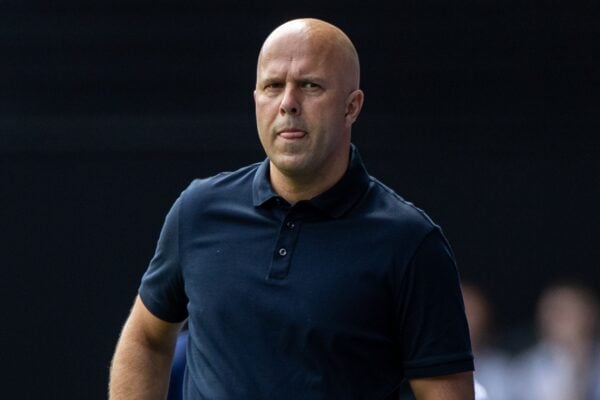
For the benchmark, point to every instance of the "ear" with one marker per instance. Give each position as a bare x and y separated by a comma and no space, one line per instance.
354,104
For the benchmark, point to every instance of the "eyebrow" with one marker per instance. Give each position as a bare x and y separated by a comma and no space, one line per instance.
267,81
301,79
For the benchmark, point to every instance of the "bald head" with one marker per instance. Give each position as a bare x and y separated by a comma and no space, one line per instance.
315,34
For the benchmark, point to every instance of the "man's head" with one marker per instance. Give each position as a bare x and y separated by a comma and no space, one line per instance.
307,98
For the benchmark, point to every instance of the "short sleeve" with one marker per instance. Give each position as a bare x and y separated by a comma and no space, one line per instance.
431,326
162,289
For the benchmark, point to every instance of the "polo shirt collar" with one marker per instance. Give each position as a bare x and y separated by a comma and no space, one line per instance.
335,202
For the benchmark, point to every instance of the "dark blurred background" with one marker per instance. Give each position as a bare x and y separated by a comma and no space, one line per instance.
484,113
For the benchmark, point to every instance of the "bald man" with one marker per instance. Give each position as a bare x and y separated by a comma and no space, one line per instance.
300,277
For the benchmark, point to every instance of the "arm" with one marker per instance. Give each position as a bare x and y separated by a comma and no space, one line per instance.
447,387
142,361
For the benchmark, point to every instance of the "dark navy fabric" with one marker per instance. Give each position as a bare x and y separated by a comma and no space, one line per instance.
178,367
339,297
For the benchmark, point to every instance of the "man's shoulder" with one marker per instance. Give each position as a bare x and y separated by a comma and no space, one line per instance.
227,185
398,210
226,181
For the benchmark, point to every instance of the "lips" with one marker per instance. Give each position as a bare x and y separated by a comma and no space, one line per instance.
292,134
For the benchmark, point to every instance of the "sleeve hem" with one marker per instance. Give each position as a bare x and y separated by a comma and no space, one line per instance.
157,311
452,367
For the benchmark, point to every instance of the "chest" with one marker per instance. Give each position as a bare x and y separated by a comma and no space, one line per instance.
267,272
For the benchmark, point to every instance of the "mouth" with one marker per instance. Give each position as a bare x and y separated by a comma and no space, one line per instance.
291,134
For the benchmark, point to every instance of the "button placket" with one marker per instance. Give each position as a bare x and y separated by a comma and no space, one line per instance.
282,255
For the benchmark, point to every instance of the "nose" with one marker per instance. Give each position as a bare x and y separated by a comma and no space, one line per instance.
290,103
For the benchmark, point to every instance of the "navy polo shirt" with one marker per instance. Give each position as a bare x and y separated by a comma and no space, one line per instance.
339,297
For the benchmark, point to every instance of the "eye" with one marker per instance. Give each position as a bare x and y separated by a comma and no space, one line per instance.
273,86
310,85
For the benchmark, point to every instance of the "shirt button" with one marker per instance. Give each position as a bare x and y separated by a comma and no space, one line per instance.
290,225
282,252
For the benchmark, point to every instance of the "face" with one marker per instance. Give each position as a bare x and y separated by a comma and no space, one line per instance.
304,106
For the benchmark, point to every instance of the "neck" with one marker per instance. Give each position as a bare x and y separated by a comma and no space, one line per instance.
295,188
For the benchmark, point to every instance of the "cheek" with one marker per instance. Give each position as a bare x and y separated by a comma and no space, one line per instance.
332,110
330,119
261,117
265,111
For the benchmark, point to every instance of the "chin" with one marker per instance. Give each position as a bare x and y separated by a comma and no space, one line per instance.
290,165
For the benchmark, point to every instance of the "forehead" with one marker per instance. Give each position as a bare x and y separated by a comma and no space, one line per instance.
297,53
